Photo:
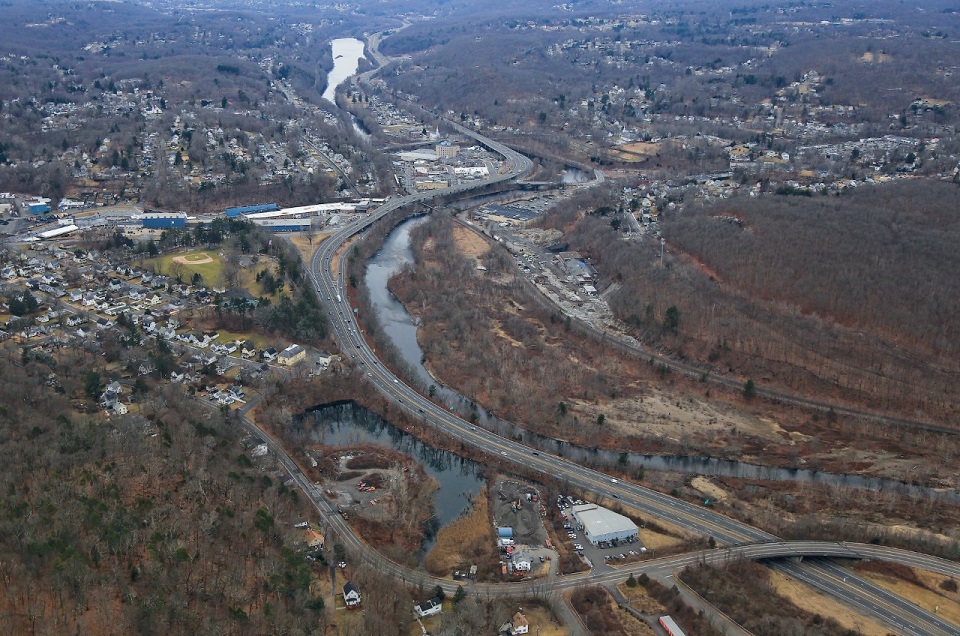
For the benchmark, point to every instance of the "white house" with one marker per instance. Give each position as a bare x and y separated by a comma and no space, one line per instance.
351,595
428,608
517,625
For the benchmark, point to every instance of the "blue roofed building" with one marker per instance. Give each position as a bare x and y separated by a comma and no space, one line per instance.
160,221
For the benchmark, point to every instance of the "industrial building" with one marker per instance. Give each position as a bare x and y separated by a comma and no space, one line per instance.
600,524
283,225
160,221
251,209
60,231
40,206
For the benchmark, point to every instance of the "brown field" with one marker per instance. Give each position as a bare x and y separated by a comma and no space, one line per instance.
306,245
914,589
812,601
469,243
459,541
640,600
600,614
635,152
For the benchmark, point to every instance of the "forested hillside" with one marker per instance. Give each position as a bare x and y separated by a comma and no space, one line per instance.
156,524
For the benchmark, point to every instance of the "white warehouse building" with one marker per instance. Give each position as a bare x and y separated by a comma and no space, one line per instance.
600,524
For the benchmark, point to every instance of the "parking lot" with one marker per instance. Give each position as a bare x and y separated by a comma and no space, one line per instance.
597,555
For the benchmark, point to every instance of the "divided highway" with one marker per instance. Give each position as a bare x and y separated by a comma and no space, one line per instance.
827,576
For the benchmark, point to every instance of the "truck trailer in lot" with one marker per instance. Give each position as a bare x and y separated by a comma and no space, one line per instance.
671,626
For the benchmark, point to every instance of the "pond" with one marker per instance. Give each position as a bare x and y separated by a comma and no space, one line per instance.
347,424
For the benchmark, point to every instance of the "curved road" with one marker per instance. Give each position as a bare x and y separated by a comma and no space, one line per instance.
831,578
825,575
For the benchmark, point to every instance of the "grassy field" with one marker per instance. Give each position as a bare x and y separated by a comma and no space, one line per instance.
259,340
171,264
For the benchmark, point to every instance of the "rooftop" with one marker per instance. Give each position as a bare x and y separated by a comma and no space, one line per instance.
599,521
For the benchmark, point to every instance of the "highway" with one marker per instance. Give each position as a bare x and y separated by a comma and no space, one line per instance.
744,540
827,576
899,614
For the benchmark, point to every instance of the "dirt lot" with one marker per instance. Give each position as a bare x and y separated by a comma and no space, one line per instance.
381,474
527,519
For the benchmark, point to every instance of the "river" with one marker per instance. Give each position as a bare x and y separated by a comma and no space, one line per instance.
346,60
402,330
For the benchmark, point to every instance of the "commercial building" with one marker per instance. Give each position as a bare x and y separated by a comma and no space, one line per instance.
250,209
600,524
446,150
283,225
160,221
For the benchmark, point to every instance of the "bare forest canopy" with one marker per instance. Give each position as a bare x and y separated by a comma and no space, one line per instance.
883,259
849,298
142,524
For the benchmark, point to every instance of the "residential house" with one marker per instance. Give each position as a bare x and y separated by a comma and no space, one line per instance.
292,355
517,625
351,595
146,368
269,354
428,608
313,538
247,349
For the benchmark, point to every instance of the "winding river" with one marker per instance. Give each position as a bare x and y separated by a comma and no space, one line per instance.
402,330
